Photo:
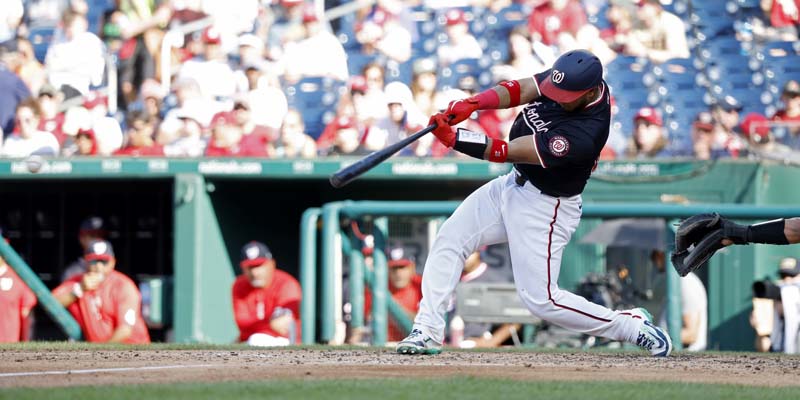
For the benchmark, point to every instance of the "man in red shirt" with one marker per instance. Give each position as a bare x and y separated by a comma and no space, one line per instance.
405,285
555,17
105,302
140,137
790,114
16,303
266,300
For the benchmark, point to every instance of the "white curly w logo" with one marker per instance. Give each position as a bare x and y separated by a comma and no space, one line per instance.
557,76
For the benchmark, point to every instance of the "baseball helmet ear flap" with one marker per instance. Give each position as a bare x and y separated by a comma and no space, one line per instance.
573,74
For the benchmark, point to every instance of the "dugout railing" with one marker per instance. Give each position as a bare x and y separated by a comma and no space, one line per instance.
336,241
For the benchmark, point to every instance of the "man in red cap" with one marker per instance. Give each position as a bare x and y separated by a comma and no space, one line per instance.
790,114
266,300
405,286
105,302
16,302
649,137
461,44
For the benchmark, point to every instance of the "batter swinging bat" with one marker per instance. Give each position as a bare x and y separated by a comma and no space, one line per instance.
351,172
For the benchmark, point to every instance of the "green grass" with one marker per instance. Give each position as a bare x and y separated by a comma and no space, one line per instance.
388,389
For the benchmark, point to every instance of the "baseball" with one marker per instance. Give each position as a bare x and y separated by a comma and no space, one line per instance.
34,163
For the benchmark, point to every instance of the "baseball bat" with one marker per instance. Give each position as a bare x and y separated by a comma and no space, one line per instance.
349,173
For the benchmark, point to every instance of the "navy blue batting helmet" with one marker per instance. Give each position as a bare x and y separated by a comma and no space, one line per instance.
573,74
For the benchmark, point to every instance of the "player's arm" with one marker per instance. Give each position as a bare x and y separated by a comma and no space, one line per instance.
122,333
68,292
792,230
505,95
129,304
477,145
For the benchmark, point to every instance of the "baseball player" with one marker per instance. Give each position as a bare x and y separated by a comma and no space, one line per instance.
105,302
16,302
700,236
266,300
554,145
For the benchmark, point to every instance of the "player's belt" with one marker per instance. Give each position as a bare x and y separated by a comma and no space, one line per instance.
520,179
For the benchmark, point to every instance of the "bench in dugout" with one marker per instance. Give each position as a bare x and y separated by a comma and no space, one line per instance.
494,303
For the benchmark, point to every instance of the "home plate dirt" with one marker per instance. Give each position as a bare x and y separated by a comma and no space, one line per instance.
68,368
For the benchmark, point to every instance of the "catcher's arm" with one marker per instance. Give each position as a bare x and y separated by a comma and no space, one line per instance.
700,236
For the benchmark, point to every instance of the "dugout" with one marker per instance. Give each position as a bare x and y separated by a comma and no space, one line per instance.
184,221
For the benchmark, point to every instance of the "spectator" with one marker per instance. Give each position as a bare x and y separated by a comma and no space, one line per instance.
694,307
152,99
91,229
649,137
789,115
10,19
211,71
755,128
347,140
28,67
382,35
267,101
480,334
554,18
16,302
52,119
225,137
189,140
405,287
318,54
725,112
254,137
423,86
523,60
140,25
106,303
191,103
703,143
620,18
658,35
783,17
403,119
461,44
28,139
86,143
12,92
140,141
266,300
294,142
76,62
368,97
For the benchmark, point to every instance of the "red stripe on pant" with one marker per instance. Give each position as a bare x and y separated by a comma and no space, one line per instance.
549,244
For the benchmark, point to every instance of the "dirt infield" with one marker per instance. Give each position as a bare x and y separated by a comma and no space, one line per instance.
107,367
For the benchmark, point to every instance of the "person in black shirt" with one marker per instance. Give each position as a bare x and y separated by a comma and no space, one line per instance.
554,145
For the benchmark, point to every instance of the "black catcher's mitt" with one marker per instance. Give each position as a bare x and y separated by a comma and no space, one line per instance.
699,237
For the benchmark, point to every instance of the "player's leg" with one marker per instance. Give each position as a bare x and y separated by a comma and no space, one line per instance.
538,228
476,222
792,230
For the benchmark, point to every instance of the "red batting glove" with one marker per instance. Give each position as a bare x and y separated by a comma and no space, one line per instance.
443,131
459,110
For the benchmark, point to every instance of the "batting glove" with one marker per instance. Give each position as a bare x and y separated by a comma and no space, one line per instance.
459,110
443,131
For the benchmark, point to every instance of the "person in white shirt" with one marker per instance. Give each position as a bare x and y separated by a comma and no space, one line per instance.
78,61
403,119
659,34
29,140
212,72
461,44
320,54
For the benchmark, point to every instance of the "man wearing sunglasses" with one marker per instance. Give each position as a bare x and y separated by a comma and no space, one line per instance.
105,302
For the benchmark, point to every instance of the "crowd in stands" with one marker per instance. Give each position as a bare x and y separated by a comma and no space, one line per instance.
277,79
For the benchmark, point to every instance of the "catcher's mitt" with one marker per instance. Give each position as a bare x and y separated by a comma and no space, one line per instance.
699,237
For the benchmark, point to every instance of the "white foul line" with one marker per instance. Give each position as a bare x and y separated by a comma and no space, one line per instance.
92,371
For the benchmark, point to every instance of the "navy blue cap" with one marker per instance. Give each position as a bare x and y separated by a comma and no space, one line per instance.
93,226
98,250
727,103
573,74
254,254
398,257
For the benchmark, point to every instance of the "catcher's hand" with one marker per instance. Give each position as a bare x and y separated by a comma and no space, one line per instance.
700,236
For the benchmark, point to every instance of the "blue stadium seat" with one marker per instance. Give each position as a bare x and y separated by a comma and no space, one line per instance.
721,47
316,99
356,61
401,72
41,37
